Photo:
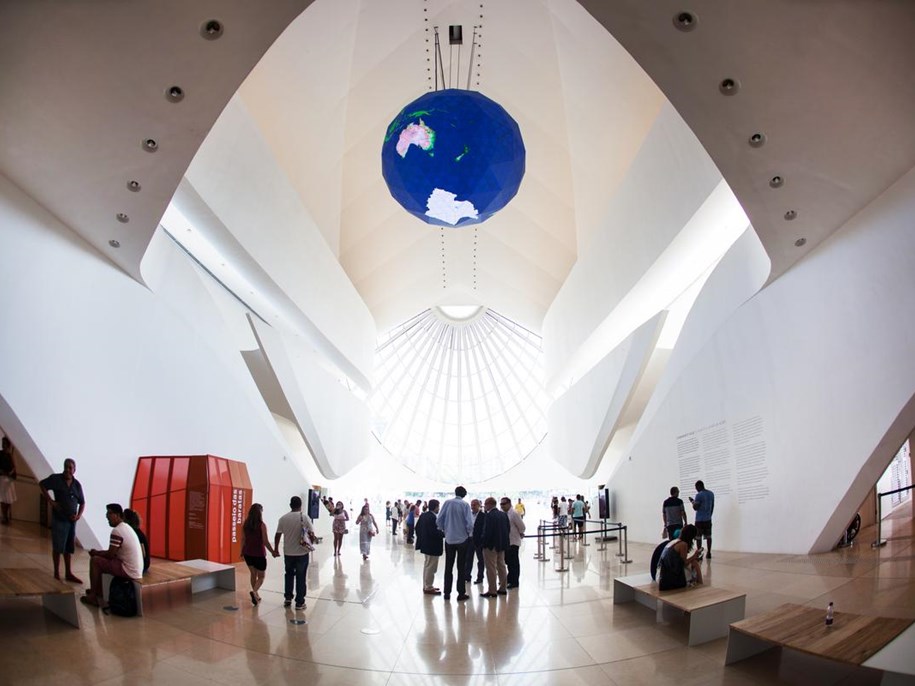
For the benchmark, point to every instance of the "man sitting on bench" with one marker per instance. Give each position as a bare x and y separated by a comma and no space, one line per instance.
123,558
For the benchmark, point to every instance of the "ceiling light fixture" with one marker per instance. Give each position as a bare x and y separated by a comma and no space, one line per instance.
134,186
123,218
114,244
777,181
174,94
150,145
757,140
729,86
212,29
790,215
685,21
800,242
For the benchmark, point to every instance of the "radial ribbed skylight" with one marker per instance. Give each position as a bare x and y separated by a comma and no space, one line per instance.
459,399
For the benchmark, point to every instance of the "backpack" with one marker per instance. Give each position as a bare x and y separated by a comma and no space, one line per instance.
122,597
656,559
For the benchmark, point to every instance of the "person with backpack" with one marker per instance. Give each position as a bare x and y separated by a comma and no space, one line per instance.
123,558
677,568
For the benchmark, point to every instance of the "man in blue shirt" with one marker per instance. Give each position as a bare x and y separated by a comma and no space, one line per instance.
704,505
456,522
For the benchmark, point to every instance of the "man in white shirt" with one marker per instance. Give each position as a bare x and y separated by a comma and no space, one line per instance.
292,526
123,558
515,535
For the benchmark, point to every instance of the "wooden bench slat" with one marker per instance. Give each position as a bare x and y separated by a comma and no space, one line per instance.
29,581
691,599
851,638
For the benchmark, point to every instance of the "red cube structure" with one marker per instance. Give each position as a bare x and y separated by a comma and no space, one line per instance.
192,507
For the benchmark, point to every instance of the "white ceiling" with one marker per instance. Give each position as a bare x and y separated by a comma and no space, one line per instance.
830,84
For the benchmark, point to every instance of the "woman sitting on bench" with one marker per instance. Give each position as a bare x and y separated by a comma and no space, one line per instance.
678,568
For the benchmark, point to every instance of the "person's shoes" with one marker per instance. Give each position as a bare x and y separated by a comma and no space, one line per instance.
502,592
487,595
287,603
89,600
253,597
73,578
511,586
462,596
477,582
708,556
432,591
447,596
301,607
57,575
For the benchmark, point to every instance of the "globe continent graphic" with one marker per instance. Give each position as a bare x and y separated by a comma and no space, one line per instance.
453,157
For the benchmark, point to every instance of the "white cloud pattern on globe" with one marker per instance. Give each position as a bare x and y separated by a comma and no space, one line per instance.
445,207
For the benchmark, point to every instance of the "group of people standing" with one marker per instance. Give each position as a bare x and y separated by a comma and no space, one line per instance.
678,563
465,532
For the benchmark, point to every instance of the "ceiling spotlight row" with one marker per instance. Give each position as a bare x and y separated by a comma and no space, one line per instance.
210,30
687,21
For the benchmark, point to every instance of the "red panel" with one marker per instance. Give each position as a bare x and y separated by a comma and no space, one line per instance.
141,480
177,508
192,506
157,529
179,473
160,475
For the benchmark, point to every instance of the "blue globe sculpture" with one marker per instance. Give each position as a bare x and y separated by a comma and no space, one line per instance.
453,158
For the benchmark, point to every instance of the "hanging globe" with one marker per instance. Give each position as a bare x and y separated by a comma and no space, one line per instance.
453,157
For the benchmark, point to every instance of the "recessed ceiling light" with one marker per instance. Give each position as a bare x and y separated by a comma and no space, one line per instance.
123,218
685,21
800,242
150,145
790,215
114,244
174,94
757,140
212,29
777,181
134,186
729,86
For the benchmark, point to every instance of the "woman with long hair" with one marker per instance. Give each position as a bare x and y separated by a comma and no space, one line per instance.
341,517
255,543
677,567
367,529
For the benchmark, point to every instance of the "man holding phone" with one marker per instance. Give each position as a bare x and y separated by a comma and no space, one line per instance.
704,505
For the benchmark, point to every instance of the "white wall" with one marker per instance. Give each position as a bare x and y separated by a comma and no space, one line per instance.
669,180
97,367
821,360
237,176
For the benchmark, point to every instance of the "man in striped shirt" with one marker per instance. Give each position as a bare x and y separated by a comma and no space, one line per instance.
124,556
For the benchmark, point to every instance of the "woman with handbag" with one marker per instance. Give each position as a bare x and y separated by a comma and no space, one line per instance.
341,517
367,530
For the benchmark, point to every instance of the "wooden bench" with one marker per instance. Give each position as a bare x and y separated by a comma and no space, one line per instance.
884,643
202,574
56,596
710,609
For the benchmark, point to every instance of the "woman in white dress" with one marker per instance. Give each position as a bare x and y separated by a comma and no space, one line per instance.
367,530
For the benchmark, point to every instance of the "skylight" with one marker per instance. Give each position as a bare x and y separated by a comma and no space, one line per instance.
459,400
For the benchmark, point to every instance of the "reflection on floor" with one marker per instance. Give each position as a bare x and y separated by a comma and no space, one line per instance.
369,623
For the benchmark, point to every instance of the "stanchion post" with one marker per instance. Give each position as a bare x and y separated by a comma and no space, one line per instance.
626,559
879,542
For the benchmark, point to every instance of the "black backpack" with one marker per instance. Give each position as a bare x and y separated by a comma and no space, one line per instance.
122,597
656,559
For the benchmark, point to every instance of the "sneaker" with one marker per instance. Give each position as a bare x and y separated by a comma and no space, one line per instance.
462,596
287,603
300,607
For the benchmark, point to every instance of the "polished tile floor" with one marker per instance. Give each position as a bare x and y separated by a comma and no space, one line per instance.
369,623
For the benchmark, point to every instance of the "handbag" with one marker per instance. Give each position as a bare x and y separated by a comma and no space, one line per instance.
306,537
